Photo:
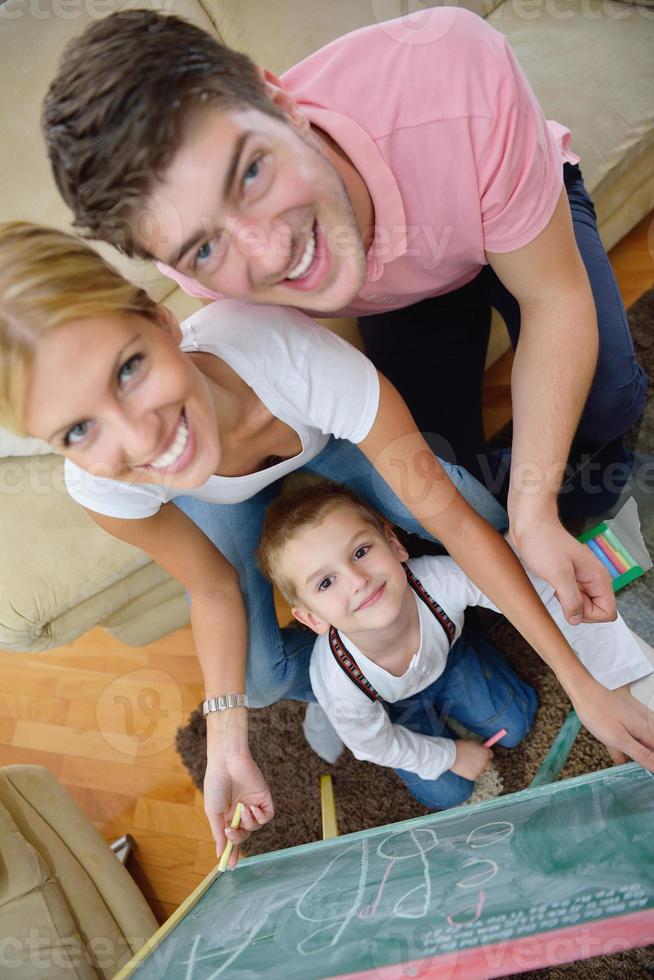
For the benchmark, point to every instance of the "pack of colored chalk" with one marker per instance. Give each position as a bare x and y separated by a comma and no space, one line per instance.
619,545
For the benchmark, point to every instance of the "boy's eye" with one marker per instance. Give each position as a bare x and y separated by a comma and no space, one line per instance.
362,551
80,428
130,367
324,584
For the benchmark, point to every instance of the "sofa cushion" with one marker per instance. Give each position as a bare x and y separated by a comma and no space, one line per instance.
39,937
60,574
33,37
590,64
287,38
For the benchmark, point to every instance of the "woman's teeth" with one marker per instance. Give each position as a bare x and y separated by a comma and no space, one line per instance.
179,444
305,262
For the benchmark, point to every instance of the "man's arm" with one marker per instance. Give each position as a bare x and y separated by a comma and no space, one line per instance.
552,373
399,453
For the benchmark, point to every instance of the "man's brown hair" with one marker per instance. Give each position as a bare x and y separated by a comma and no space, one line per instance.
116,112
296,512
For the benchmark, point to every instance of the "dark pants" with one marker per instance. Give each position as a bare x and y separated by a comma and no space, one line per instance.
434,353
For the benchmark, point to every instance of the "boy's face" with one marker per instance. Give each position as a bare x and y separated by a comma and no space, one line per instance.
251,208
346,574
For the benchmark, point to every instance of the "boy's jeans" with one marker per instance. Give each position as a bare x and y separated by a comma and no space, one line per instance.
278,659
477,688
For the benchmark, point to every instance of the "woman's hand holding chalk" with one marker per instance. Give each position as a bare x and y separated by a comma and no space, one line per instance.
494,738
225,856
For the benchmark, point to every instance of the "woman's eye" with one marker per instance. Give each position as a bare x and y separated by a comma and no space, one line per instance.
362,551
129,368
324,584
202,254
80,429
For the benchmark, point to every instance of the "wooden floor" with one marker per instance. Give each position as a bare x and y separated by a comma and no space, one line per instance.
102,716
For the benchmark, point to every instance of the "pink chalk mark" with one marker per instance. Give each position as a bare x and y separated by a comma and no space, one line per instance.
370,910
478,908
494,738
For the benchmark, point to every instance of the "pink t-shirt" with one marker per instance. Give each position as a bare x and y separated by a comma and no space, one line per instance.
437,116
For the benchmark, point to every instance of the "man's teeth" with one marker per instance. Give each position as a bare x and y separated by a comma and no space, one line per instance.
179,444
304,264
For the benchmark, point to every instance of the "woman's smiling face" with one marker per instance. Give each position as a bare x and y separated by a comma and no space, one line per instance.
115,395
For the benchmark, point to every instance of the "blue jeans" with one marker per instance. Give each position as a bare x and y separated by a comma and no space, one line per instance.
477,688
278,659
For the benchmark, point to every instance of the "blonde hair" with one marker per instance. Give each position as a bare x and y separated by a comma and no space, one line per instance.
48,278
296,512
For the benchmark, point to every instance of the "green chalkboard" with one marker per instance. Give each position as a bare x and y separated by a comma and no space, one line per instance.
560,860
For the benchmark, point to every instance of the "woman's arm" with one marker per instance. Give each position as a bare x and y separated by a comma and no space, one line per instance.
403,458
219,626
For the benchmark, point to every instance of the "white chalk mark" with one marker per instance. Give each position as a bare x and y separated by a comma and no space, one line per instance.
191,959
370,910
194,959
476,881
494,837
400,838
425,887
356,904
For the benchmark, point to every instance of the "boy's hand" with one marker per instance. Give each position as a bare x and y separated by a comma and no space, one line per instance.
471,759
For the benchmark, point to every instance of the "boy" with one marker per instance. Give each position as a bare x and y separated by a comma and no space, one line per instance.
390,662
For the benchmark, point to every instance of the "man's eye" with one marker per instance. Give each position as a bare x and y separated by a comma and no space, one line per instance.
362,551
252,171
80,429
130,368
324,584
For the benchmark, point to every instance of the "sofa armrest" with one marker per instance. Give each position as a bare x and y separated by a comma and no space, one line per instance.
109,913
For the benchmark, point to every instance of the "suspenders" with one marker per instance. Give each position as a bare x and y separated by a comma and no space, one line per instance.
347,662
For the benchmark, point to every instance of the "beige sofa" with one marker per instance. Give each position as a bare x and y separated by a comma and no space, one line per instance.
68,908
590,62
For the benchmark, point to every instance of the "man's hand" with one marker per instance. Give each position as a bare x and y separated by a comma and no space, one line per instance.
471,759
582,584
619,720
232,778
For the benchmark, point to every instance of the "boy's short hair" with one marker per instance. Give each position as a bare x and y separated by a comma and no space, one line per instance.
116,112
299,511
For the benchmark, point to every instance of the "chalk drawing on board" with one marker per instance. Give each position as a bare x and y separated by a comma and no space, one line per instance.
574,859
318,901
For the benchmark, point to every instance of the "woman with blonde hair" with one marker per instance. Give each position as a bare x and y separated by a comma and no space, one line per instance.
176,438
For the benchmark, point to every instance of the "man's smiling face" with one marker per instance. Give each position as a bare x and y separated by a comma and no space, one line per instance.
251,208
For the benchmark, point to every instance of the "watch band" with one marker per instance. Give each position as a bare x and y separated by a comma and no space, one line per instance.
225,701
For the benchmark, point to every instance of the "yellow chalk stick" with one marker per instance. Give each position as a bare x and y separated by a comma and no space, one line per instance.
328,807
224,857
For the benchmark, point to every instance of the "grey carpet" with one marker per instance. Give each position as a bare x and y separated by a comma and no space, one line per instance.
369,796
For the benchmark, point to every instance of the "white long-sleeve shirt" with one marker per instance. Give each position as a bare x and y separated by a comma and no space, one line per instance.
608,651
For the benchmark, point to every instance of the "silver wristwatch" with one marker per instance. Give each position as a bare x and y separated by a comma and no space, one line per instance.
225,701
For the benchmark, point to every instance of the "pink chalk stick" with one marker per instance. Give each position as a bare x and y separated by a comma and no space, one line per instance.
495,738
